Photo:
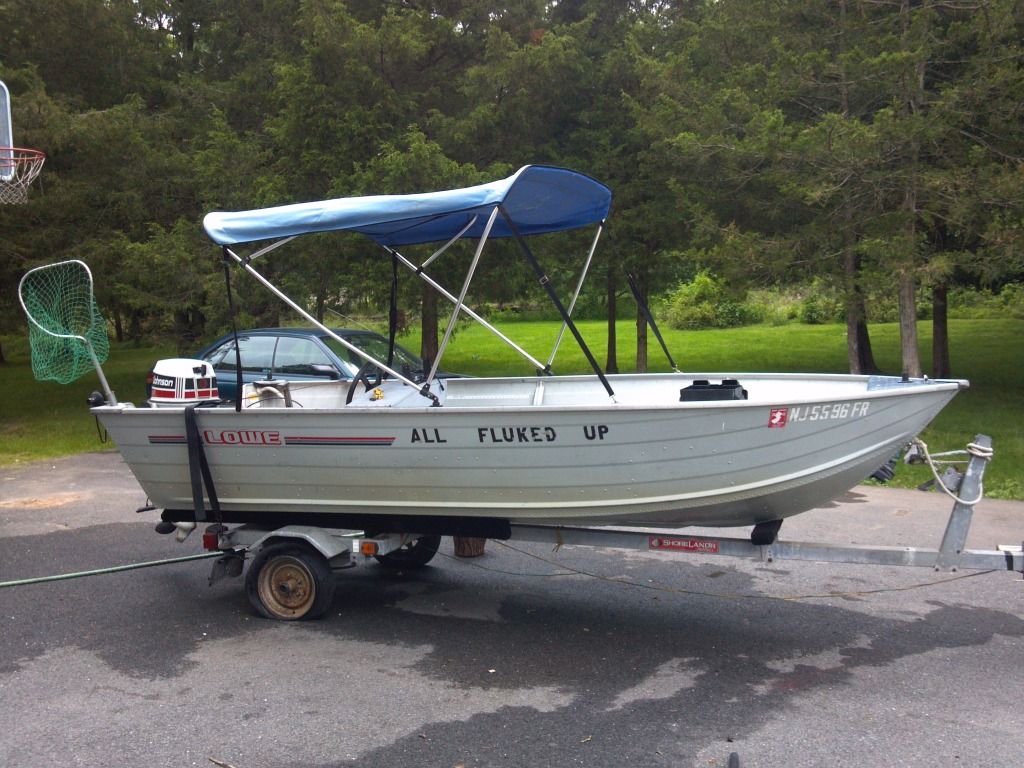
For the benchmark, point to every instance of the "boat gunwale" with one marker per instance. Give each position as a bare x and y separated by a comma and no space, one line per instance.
916,386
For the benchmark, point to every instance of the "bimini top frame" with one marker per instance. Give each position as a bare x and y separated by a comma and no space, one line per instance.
534,200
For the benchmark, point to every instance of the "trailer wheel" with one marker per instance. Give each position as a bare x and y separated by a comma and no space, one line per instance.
289,582
414,554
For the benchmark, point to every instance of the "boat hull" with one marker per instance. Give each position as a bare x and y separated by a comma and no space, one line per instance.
640,461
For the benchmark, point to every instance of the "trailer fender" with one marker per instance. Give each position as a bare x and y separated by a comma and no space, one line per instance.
334,545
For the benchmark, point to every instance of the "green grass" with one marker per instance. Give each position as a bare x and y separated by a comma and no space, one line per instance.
42,420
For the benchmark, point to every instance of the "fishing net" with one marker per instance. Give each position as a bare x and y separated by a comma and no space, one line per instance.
67,334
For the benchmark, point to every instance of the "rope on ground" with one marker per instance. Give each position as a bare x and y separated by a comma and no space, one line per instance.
973,449
101,571
721,595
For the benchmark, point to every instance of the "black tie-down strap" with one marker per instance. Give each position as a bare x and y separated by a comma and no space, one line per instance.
199,470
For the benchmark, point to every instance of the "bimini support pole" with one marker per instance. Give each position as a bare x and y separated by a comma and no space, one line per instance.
575,296
446,246
347,344
545,282
649,318
462,296
418,271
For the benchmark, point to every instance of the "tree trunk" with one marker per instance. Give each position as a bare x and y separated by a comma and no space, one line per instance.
189,328
908,325
2,360
858,343
867,358
612,364
135,325
118,327
912,104
940,333
428,326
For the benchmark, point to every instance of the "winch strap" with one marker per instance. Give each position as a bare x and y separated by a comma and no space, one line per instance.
234,333
393,311
199,469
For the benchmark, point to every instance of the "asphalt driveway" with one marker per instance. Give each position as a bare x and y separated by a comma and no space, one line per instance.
524,657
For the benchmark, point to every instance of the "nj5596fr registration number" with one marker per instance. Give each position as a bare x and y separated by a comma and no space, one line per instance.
780,417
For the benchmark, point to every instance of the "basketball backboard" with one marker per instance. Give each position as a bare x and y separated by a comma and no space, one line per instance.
6,134
19,167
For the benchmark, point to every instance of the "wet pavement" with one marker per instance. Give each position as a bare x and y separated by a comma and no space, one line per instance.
523,657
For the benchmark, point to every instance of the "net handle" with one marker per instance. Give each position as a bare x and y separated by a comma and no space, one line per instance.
107,391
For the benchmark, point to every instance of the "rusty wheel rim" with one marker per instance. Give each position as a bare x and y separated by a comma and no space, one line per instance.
287,587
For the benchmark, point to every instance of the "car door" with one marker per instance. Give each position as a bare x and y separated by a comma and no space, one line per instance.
257,356
301,358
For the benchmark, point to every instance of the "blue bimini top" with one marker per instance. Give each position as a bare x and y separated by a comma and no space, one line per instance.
536,198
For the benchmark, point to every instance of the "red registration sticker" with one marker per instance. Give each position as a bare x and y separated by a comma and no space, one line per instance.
778,416
682,544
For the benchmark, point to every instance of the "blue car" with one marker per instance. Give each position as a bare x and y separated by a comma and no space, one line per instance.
300,354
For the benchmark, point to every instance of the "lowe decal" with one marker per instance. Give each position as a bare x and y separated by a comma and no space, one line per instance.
242,437
259,438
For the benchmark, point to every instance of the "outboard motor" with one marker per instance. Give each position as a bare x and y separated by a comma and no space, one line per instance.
179,381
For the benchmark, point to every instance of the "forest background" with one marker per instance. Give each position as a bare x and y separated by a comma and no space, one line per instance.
864,155
873,147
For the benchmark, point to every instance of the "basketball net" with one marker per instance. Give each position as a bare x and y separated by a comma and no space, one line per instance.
18,169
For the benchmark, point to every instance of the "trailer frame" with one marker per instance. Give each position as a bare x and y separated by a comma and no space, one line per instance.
315,553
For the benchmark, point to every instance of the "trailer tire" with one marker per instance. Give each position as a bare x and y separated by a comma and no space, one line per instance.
414,554
289,582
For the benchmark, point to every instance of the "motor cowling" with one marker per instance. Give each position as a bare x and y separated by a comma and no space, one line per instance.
180,381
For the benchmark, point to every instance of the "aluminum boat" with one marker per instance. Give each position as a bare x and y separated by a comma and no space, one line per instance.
409,451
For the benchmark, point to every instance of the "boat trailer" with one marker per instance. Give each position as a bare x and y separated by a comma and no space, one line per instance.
292,573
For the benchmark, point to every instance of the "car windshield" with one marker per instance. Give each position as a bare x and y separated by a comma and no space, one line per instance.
375,346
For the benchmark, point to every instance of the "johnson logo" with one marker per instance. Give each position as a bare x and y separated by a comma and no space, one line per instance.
242,437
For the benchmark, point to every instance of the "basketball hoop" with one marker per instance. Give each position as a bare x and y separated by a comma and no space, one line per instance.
18,169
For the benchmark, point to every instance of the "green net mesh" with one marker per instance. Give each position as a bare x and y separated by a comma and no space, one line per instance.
64,321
